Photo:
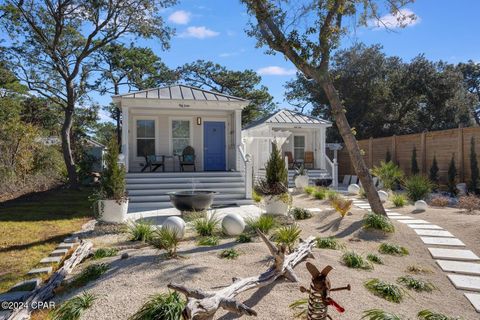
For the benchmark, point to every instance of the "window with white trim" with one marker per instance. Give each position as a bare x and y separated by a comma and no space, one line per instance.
145,138
298,147
180,135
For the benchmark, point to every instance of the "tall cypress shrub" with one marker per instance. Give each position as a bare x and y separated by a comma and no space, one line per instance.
434,171
276,175
112,182
474,172
452,175
388,157
415,169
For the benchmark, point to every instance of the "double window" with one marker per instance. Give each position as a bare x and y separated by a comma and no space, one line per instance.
299,147
145,138
180,135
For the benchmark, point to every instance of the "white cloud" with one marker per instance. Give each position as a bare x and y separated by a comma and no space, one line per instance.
231,54
199,33
275,71
403,18
179,17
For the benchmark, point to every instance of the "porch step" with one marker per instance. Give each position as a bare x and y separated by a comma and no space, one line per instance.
184,174
189,180
167,187
165,191
164,198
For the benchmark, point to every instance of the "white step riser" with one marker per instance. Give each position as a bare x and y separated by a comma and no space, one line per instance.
166,198
131,181
158,192
183,174
167,204
183,186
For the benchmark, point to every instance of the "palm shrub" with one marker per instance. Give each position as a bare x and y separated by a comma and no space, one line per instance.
72,309
389,173
474,172
379,314
275,182
287,236
376,221
264,223
393,249
433,176
430,315
386,290
165,306
166,238
415,170
398,200
417,187
140,231
206,226
300,213
342,205
452,176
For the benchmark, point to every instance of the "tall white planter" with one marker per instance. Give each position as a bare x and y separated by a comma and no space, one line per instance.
301,181
275,205
112,211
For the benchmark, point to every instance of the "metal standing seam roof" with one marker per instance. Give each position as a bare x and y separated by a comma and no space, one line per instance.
286,116
180,92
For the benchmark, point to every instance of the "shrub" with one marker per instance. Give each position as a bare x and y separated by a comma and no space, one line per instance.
433,176
342,205
309,190
389,173
229,254
244,238
300,213
414,165
417,187
417,269
276,175
90,273
206,226
209,241
439,201
378,314
474,185
264,223
372,257
166,238
140,231
104,252
167,306
332,195
256,197
112,182
398,200
430,315
418,285
353,260
376,221
329,243
387,291
452,176
469,203
287,236
320,193
72,309
393,249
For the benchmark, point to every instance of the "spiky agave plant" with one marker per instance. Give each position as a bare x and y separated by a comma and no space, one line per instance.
165,306
72,309
140,231
265,223
166,238
206,226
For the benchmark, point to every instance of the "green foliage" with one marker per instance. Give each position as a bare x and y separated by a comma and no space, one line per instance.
393,249
433,176
320,193
72,309
388,291
354,260
378,314
418,269
164,306
474,185
389,173
452,176
256,197
379,222
104,252
418,285
112,182
229,254
329,243
332,194
166,238
140,231
342,205
430,315
300,213
264,223
207,225
244,238
372,257
90,273
414,165
208,241
398,200
287,236
300,308
310,190
417,187
276,175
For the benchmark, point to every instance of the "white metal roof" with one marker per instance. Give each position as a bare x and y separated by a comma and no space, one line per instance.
179,92
286,116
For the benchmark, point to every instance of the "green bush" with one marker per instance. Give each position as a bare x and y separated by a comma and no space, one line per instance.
276,176
417,187
112,182
256,197
244,238
329,243
452,176
300,213
72,309
388,291
264,223
140,231
104,252
398,200
376,221
378,314
229,254
418,285
389,173
166,238
320,193
332,195
393,249
206,226
309,190
353,260
287,236
165,306
209,241
372,257
90,273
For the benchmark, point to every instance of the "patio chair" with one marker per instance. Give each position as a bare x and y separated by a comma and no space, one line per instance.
155,162
308,159
375,181
187,158
346,181
353,180
291,161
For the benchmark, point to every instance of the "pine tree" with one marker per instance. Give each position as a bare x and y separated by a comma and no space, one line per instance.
434,171
276,175
474,172
113,176
415,169
452,174
388,157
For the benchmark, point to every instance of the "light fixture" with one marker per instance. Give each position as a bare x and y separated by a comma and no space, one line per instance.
199,120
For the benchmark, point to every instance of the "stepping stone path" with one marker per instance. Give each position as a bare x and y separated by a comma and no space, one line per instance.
59,252
462,263
50,260
40,271
314,209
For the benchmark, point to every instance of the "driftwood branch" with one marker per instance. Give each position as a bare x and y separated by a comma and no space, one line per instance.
46,292
203,305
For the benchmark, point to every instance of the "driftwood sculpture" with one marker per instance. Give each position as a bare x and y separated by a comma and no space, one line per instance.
319,294
202,305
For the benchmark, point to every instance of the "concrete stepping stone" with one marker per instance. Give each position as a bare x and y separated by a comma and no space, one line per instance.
453,254
64,245
58,252
443,241
71,240
474,299
314,209
433,233
425,226
415,221
465,282
15,296
459,267
50,260
40,271
393,214
27,285
400,217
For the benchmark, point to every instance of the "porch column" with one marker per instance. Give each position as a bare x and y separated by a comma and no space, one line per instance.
238,139
321,143
125,120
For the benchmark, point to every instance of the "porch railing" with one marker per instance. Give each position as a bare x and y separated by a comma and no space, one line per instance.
332,168
248,172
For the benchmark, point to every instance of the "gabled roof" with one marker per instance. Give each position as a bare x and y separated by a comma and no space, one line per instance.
286,116
179,92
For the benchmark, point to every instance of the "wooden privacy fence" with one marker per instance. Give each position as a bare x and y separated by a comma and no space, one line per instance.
441,144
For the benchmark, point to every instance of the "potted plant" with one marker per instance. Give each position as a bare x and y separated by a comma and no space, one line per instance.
111,196
274,187
301,177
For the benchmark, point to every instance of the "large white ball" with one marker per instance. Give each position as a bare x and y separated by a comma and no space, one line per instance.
353,189
177,224
421,205
383,195
233,224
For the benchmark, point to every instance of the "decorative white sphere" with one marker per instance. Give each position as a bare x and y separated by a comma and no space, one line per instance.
421,205
233,224
353,189
177,224
383,195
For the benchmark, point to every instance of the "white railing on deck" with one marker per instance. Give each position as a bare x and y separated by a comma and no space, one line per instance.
332,168
248,172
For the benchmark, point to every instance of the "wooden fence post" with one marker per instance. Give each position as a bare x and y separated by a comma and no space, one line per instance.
461,167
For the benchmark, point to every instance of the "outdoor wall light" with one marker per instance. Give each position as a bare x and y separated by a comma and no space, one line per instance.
199,120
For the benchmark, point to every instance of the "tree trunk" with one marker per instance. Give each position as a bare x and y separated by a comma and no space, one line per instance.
361,168
67,146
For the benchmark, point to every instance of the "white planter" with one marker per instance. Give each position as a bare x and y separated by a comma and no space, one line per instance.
301,181
112,211
275,205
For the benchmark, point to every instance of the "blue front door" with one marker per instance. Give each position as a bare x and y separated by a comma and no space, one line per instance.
214,146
